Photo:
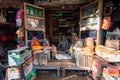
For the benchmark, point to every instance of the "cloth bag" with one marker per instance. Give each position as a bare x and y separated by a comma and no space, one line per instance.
107,23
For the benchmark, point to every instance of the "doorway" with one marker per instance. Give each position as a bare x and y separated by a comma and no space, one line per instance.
61,22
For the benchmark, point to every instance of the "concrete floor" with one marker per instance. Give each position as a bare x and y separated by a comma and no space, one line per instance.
51,75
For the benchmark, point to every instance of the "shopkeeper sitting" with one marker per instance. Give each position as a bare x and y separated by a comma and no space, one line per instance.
63,45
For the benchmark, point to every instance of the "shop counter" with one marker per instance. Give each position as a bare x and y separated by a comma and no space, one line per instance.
50,66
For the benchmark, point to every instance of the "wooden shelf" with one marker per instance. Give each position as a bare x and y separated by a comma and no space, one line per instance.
87,29
12,25
88,24
90,4
33,6
36,29
38,20
34,17
89,16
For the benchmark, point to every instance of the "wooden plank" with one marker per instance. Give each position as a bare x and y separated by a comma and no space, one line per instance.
26,37
34,17
68,64
49,68
63,60
33,6
55,64
76,68
35,29
100,22
89,4
46,67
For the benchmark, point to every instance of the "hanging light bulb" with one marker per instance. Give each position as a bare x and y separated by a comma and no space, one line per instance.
63,7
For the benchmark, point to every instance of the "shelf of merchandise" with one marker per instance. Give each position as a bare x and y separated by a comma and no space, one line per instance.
91,11
34,17
33,13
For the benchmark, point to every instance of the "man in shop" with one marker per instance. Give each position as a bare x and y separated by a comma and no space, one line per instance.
63,45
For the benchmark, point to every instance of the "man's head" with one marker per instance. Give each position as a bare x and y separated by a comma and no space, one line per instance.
63,37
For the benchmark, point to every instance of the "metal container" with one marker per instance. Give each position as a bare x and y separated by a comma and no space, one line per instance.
43,59
84,61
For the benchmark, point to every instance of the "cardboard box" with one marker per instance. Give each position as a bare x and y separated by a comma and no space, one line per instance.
32,75
110,71
105,49
18,56
14,57
13,73
26,55
96,64
115,44
27,66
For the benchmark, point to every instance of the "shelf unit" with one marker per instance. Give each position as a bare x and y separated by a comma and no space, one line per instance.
34,22
90,19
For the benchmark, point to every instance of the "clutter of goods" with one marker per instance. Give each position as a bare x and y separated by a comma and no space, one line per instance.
109,54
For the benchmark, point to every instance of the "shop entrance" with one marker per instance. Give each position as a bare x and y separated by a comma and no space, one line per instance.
62,22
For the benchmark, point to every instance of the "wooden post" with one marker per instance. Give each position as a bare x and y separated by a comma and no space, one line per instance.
100,22
51,25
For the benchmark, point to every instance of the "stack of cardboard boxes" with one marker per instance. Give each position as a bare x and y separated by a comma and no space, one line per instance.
21,63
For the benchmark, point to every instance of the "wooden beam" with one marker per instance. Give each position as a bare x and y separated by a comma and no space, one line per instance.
61,2
51,25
